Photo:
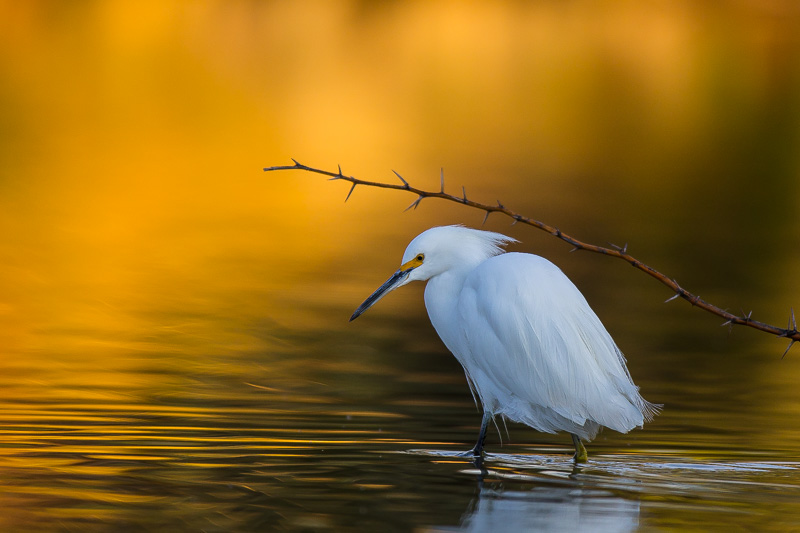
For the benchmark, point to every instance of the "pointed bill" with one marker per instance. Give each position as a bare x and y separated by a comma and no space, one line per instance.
392,283
398,279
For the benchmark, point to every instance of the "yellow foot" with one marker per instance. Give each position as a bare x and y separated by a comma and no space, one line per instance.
580,450
581,456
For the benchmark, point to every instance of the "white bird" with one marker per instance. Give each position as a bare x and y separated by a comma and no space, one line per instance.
531,347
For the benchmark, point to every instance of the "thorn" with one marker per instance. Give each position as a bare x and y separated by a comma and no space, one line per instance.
501,206
746,317
351,192
339,177
414,204
295,162
513,222
791,343
575,249
622,249
401,178
464,192
674,296
485,218
729,323
792,321
441,178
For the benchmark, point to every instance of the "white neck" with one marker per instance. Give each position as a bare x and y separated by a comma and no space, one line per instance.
441,299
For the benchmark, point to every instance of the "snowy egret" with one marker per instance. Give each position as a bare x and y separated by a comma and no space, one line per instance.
531,347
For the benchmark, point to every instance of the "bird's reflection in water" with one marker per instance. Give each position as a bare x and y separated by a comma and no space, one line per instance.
563,505
551,509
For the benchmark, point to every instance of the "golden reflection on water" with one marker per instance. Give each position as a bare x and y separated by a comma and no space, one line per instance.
162,301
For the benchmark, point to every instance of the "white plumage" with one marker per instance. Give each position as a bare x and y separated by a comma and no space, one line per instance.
532,348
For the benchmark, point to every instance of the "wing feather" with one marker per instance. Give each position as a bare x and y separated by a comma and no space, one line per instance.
536,352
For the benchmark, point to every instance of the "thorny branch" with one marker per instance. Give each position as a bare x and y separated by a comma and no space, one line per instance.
790,332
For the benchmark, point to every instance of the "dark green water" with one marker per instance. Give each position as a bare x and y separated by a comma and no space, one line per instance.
358,428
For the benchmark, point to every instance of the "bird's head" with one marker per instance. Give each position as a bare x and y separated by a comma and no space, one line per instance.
438,250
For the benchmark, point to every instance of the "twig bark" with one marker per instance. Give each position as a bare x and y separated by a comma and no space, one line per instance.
620,252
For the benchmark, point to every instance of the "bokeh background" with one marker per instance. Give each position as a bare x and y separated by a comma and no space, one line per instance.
153,277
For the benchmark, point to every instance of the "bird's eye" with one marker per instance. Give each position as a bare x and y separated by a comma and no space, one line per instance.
420,257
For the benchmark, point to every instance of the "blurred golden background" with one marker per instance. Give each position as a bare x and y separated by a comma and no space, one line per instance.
133,134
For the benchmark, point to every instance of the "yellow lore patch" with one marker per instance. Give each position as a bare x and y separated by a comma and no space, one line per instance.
414,263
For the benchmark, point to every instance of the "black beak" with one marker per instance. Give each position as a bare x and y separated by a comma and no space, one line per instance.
392,283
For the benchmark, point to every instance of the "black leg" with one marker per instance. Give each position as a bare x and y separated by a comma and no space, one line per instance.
478,449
